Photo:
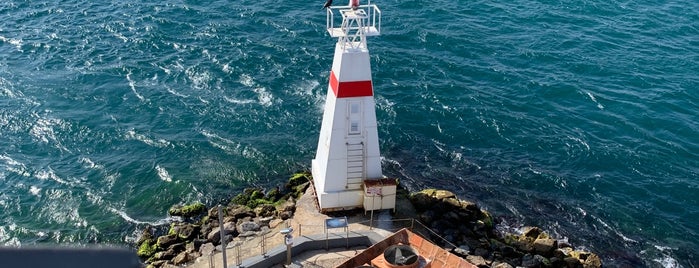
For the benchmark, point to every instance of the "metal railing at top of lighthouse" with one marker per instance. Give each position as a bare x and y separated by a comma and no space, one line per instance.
355,26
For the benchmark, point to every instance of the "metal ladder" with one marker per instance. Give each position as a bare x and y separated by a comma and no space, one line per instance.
355,165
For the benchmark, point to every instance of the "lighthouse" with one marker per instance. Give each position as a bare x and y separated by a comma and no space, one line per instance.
347,166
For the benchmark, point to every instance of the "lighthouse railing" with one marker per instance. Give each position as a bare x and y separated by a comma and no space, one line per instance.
371,24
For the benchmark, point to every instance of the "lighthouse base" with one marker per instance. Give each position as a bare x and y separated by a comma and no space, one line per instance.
331,194
338,201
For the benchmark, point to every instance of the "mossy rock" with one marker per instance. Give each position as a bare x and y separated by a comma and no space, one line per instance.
253,203
171,231
247,195
183,231
299,178
187,211
240,199
274,195
147,249
423,200
300,189
487,219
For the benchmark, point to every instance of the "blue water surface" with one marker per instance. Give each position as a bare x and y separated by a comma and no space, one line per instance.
576,116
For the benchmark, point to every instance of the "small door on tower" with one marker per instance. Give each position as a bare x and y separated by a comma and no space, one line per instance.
355,118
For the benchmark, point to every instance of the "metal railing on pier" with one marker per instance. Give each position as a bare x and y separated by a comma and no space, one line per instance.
261,244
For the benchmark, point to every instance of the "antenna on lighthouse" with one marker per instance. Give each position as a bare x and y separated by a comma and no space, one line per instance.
347,167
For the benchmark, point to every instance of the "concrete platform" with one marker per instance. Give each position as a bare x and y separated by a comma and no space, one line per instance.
309,239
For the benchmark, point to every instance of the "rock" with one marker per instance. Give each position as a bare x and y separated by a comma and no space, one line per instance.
193,255
480,228
572,262
508,251
248,197
177,247
240,212
180,259
592,261
557,262
525,244
298,179
274,194
462,251
169,265
481,252
285,215
476,260
561,253
452,216
443,194
229,228
530,261
214,235
248,226
501,265
265,210
167,240
563,243
264,221
422,200
207,249
187,211
544,261
146,249
532,232
197,243
213,213
146,234
164,255
185,231
157,263
544,246
289,205
227,239
449,204
189,247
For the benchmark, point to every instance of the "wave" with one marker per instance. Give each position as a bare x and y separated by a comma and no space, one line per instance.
159,143
237,101
13,41
665,260
231,147
44,130
592,97
201,79
90,164
34,190
163,174
51,175
264,97
132,85
128,218
173,92
14,166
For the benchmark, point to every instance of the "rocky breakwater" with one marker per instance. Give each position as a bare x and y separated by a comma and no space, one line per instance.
196,232
473,236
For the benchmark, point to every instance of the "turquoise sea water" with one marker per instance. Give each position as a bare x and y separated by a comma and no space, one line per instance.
577,116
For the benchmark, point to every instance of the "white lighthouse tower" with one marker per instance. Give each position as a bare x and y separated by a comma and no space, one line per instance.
347,158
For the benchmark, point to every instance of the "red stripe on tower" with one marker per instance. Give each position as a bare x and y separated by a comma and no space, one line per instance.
351,88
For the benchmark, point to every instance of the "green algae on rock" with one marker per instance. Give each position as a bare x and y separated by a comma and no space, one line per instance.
472,230
187,211
249,213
